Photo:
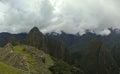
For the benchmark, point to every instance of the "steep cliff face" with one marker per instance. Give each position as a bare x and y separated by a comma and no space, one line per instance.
37,39
57,49
116,53
98,60
52,46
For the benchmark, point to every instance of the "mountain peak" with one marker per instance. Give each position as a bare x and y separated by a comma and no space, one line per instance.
36,38
35,29
35,32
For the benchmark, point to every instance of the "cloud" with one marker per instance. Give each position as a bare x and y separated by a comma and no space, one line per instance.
71,16
22,15
105,32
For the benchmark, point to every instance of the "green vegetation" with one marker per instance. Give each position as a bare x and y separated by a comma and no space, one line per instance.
21,51
6,69
48,61
98,59
61,67
37,61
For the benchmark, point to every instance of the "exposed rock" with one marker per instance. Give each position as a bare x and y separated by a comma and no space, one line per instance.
8,56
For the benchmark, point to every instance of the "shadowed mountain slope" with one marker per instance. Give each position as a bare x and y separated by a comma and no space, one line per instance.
98,60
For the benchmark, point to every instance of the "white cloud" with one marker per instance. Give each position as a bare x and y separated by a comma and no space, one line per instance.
105,32
54,15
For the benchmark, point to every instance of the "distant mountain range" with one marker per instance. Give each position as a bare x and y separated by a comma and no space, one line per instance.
89,53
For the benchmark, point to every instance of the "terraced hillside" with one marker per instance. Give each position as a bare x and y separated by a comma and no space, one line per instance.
7,69
26,58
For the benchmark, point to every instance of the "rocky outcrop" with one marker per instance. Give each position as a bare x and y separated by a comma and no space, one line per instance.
26,58
8,56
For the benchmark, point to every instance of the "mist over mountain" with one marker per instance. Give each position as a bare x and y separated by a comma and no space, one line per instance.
88,53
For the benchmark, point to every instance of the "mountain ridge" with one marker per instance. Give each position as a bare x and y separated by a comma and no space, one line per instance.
66,47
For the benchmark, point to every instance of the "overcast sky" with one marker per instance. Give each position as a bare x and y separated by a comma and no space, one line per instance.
70,16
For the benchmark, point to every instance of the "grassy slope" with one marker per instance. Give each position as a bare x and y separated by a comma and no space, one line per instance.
6,69
32,64
49,61
20,50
